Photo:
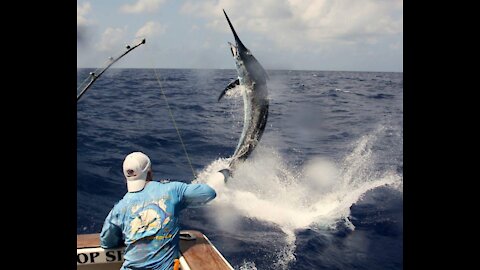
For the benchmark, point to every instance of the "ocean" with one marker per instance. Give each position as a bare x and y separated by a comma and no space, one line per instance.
322,190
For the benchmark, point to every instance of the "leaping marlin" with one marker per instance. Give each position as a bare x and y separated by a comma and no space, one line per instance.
253,78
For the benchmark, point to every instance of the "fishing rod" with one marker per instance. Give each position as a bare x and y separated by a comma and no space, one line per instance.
94,76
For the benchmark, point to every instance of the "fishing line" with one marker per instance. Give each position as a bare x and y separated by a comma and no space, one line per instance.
157,77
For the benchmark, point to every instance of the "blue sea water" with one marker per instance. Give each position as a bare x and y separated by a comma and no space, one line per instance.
323,190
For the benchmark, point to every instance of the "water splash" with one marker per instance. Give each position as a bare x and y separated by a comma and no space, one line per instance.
319,194
286,255
247,266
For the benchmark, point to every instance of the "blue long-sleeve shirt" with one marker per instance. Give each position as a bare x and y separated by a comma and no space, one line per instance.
147,223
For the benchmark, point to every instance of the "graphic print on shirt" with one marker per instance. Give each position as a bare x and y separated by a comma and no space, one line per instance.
149,218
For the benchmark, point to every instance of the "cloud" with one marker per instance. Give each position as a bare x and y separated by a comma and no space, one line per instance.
82,22
82,11
150,29
142,6
111,38
296,24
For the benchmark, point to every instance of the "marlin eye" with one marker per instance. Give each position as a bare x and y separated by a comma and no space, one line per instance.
231,49
130,172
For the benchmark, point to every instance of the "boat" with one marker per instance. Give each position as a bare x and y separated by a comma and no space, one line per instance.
196,253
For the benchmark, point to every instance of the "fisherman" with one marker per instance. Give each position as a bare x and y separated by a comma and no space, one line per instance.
146,220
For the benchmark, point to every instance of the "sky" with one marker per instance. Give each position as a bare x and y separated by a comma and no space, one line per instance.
326,35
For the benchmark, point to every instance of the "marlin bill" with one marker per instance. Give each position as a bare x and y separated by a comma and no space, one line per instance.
252,78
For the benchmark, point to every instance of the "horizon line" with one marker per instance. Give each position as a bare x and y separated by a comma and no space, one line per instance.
94,68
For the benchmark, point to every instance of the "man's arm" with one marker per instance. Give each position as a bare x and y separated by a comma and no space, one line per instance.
111,235
196,195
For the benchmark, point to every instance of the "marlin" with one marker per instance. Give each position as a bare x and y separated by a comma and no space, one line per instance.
252,78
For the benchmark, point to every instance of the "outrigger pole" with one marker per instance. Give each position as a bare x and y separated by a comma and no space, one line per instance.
94,76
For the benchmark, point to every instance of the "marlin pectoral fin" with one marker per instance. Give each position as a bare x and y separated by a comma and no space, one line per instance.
231,85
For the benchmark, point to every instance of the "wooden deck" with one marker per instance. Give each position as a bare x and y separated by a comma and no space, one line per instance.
88,240
199,253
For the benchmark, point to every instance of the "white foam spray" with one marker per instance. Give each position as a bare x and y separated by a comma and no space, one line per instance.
248,266
319,194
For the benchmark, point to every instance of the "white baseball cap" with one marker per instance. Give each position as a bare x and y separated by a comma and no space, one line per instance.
135,168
